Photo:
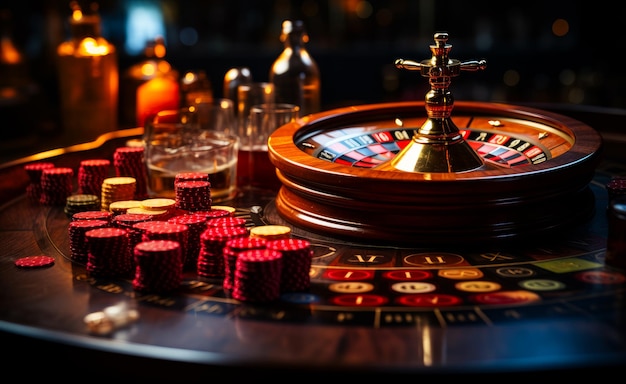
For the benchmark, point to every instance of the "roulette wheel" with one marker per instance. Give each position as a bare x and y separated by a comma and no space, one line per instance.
420,269
423,173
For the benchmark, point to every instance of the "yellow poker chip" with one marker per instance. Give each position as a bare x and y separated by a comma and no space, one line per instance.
224,208
158,204
271,232
39,261
123,205
143,211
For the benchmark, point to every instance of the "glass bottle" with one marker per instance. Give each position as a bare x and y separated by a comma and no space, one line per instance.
295,73
88,78
17,89
149,86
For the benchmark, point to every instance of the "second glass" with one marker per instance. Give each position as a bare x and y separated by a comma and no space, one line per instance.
255,168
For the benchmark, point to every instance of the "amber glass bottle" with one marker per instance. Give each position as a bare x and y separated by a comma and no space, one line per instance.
295,73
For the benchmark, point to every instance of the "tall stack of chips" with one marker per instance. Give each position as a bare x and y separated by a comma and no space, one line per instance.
257,276
196,225
108,254
116,189
193,195
296,255
231,249
211,255
129,162
158,266
56,185
91,174
34,172
162,230
79,249
127,221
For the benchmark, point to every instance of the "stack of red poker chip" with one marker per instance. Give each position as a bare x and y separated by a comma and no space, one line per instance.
79,249
211,255
257,276
158,266
109,254
231,249
91,174
127,221
190,176
34,172
129,161
193,195
93,215
296,255
214,213
226,221
616,187
56,185
163,230
196,225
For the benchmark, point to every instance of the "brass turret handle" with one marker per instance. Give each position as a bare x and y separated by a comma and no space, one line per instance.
441,146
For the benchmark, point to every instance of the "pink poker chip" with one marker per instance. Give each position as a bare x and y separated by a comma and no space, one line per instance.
34,261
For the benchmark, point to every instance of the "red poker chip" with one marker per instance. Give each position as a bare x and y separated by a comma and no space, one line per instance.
34,261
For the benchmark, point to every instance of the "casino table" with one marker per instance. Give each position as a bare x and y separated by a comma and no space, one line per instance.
377,308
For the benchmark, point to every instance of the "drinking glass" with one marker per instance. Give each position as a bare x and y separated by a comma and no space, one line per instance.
176,142
255,168
250,94
214,114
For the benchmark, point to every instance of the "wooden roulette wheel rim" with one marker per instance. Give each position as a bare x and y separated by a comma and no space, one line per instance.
434,208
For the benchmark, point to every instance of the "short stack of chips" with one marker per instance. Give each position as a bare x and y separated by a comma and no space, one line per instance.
231,249
271,232
109,255
158,266
116,189
158,208
91,174
257,276
79,249
196,225
81,203
297,255
129,161
34,172
56,185
211,255
122,206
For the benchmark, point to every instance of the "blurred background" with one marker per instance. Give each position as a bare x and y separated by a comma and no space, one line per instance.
558,52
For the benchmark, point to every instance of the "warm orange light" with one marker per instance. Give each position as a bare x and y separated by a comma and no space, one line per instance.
92,47
77,14
156,95
148,69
